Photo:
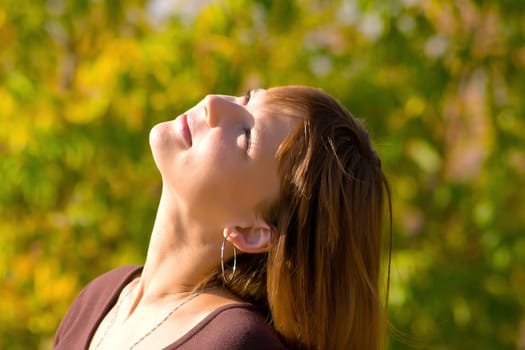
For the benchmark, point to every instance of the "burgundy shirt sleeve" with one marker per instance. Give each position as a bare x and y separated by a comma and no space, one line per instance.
89,308
232,327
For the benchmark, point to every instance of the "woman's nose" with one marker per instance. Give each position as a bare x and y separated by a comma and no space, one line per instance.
217,108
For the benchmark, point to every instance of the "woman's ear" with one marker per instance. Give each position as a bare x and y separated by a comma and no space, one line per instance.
249,239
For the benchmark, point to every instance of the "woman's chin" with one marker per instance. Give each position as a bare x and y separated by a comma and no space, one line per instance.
162,143
160,134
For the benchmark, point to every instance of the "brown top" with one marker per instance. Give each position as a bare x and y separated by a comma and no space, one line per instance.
232,327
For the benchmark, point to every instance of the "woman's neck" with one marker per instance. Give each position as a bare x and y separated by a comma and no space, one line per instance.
179,257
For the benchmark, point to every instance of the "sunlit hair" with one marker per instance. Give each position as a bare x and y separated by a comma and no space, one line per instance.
320,279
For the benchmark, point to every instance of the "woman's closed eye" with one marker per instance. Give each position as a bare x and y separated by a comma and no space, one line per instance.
247,96
248,136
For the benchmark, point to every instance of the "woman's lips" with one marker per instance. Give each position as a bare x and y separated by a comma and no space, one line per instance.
185,128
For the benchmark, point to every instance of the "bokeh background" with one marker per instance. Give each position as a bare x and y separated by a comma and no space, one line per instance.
439,83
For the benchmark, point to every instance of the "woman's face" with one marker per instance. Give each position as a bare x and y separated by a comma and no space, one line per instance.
218,159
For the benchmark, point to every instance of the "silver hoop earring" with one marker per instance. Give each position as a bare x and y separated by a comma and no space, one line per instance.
234,261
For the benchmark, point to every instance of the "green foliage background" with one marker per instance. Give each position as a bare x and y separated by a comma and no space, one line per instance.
439,83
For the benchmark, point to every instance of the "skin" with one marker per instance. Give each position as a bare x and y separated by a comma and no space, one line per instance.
215,175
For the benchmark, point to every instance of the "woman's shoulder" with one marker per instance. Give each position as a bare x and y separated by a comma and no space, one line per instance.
102,291
108,285
114,279
92,303
234,326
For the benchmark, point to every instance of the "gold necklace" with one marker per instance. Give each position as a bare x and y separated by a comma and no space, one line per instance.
157,325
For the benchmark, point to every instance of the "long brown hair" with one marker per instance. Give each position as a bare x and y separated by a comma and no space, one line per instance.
324,263
320,277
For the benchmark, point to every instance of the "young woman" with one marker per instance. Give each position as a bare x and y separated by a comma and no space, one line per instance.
268,235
